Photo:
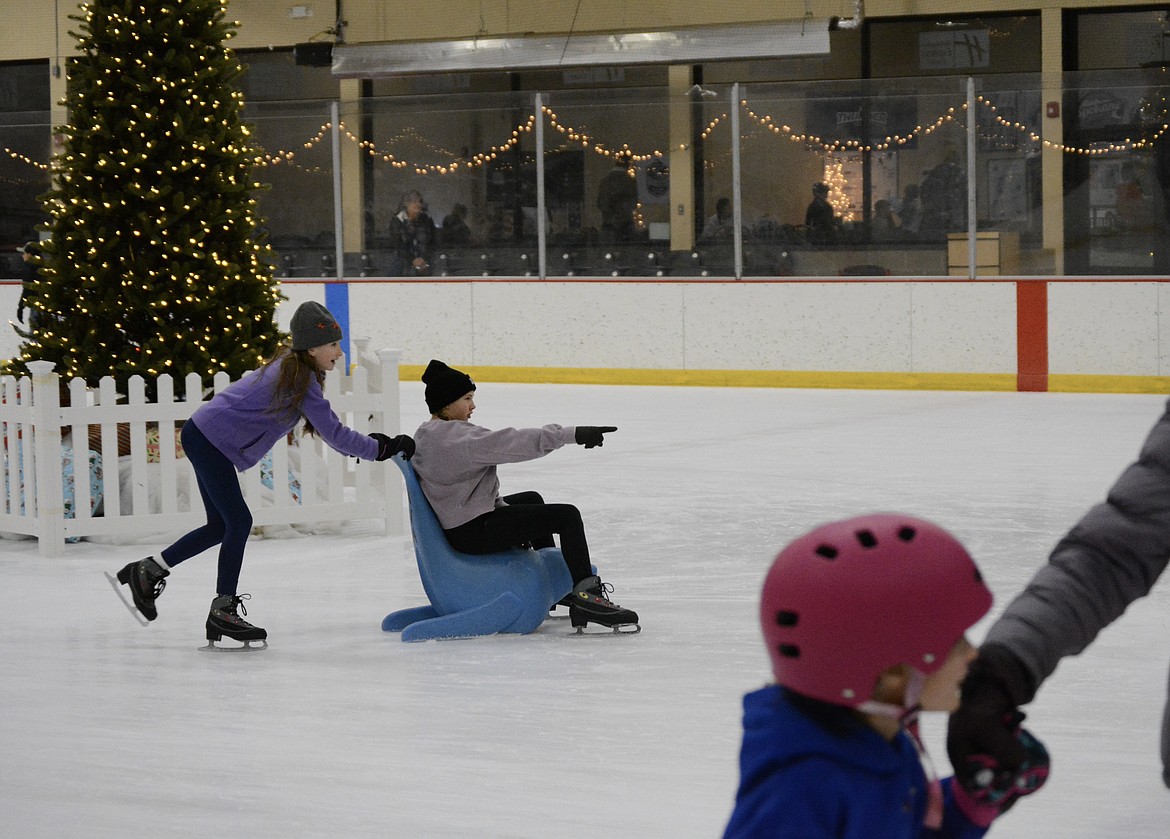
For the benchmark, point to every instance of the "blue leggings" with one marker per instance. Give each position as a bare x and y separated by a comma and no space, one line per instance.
229,521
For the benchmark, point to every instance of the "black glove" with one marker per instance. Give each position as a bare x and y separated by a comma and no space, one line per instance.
995,760
990,790
591,435
390,446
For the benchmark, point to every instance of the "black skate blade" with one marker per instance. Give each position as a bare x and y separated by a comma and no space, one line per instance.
616,629
129,604
245,648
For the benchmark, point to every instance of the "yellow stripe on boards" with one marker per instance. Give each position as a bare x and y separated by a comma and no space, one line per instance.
1067,383
730,378
799,379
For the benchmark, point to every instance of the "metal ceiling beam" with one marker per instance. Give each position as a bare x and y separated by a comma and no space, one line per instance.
684,46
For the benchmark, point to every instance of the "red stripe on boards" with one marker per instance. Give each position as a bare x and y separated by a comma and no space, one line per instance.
1031,335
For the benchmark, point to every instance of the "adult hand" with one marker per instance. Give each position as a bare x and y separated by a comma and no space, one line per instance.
590,436
390,446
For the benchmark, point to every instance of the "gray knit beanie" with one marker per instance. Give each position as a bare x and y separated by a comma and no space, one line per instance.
312,326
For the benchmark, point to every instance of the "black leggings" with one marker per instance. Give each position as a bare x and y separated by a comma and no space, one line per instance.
527,520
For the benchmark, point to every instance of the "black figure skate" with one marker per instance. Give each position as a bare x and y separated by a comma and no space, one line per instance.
224,619
145,581
588,603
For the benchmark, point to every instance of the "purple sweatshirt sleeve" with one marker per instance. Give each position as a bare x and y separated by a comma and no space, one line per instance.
317,411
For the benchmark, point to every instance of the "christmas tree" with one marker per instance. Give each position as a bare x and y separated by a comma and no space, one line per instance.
153,262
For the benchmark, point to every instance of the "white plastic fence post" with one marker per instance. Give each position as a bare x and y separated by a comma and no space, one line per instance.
10,433
79,437
362,345
107,398
49,490
139,482
168,486
388,361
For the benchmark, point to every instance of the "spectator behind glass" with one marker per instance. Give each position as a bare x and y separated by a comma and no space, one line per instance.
910,210
412,235
455,230
28,275
720,226
884,226
617,198
819,218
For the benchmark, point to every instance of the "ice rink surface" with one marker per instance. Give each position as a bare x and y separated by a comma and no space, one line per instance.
109,729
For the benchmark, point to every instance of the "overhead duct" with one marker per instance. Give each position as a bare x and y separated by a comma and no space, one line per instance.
685,46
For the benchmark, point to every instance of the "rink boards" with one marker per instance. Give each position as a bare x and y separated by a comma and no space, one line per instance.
1076,334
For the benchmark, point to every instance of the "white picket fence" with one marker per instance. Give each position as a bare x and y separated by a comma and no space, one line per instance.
37,433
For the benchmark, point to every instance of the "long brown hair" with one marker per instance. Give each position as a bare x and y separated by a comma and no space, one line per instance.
297,369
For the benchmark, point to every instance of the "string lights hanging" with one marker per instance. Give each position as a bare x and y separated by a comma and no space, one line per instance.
456,161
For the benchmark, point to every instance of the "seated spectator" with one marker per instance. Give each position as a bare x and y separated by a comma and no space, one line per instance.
910,211
885,224
455,230
412,235
721,226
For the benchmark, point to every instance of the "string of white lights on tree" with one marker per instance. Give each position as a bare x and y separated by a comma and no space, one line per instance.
153,263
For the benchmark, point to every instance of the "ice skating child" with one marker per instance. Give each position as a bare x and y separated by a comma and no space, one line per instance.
456,467
231,433
864,620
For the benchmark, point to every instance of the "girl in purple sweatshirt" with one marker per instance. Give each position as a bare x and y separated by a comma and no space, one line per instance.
231,433
456,466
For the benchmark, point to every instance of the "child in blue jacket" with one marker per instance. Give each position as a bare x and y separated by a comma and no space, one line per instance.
864,620
232,433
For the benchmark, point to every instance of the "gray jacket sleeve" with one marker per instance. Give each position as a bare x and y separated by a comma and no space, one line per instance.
1109,559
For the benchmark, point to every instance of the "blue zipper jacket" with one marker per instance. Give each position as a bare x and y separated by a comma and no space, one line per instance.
240,423
799,780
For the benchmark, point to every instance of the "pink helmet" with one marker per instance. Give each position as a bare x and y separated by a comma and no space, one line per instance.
852,598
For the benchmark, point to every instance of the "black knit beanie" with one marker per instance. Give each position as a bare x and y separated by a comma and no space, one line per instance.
312,326
444,385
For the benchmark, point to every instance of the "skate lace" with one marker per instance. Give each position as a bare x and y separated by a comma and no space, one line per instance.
238,604
602,592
